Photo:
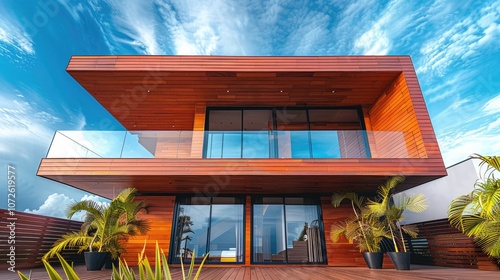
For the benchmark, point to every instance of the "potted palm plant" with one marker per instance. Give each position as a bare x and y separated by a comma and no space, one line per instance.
364,229
389,209
104,229
477,214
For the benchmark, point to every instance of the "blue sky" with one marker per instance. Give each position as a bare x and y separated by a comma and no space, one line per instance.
454,46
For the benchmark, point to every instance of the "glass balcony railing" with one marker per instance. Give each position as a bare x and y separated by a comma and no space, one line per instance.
234,144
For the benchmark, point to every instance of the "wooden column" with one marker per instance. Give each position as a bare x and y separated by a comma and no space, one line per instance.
198,131
369,133
248,229
161,216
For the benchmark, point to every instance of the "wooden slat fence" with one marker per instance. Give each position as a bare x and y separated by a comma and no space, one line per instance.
440,244
34,236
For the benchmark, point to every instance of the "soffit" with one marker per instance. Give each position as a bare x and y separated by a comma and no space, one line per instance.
161,92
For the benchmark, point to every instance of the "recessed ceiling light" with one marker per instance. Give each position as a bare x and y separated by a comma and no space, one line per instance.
333,91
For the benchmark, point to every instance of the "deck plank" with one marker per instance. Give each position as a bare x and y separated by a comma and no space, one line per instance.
417,272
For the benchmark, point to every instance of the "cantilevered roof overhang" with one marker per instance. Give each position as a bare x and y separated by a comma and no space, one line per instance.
161,92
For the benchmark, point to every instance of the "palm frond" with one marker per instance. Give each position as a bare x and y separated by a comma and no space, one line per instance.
411,230
336,230
92,208
459,208
337,199
78,239
491,162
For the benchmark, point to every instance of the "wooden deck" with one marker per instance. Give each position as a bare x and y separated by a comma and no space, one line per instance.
417,272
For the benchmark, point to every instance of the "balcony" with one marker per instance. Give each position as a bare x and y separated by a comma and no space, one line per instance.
236,162
282,144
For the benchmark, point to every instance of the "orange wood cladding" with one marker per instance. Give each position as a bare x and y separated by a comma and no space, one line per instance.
248,229
162,92
394,112
342,253
198,126
160,215
107,177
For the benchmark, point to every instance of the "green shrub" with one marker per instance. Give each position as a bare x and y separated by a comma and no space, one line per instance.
124,272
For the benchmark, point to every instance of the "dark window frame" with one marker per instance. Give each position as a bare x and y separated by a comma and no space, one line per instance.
172,259
273,151
315,201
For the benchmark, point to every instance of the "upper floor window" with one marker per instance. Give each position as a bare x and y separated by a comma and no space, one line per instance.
284,133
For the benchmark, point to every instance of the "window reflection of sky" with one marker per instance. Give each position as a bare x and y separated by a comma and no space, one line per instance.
260,144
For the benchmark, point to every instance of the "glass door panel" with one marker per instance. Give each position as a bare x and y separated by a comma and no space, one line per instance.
287,232
226,233
303,234
269,243
192,230
209,225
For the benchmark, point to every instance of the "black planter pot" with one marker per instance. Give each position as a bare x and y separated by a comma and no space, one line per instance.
373,260
110,262
95,260
401,260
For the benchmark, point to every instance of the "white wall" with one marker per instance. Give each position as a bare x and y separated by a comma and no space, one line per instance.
440,192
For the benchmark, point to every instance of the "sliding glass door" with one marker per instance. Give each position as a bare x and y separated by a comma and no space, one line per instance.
209,225
286,230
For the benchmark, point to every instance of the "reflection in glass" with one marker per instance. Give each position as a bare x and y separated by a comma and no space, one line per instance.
325,144
212,225
256,144
226,233
191,231
285,133
303,234
269,244
286,233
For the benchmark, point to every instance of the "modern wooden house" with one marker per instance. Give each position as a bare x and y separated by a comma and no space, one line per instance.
239,155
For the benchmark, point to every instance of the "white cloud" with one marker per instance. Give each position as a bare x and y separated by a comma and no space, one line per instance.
457,145
374,42
493,105
56,204
460,42
23,129
397,19
14,39
213,27
136,20
310,33
356,13
494,126
452,87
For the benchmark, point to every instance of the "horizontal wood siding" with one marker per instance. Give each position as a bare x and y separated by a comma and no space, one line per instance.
440,244
107,177
162,92
342,253
394,112
34,236
160,215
